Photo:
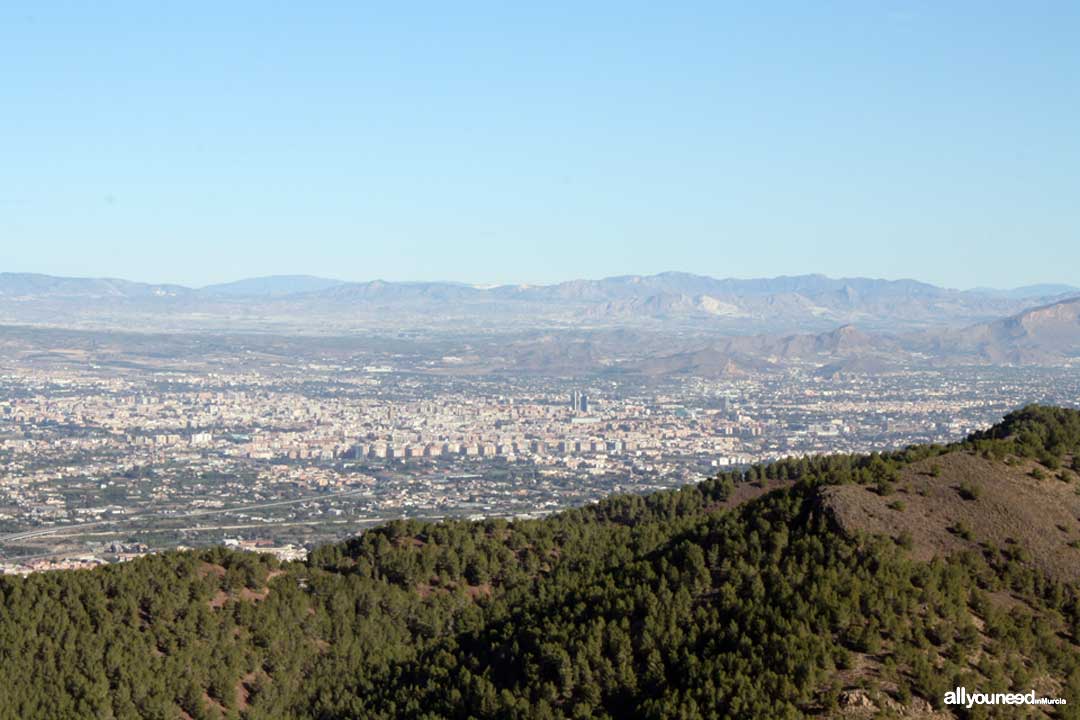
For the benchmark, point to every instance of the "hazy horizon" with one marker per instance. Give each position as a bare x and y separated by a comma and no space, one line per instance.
512,283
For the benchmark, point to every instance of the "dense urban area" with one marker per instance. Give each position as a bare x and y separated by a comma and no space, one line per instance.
105,462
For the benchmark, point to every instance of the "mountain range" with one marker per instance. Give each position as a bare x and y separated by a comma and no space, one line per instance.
1044,335
806,303
651,326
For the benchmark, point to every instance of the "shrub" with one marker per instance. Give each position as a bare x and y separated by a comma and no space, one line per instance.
962,529
969,491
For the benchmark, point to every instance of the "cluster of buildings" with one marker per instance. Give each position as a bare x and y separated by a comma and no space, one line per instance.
103,465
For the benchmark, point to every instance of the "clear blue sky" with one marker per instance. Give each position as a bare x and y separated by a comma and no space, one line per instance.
197,142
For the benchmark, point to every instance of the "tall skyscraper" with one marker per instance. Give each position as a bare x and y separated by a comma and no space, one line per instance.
579,401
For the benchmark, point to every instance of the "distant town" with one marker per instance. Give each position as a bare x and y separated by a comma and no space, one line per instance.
103,462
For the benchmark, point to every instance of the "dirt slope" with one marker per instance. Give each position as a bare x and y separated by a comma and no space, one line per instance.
962,500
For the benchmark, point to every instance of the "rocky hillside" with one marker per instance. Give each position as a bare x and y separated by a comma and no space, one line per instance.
961,501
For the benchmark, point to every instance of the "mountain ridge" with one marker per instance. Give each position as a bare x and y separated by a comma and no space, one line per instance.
610,287
785,304
268,285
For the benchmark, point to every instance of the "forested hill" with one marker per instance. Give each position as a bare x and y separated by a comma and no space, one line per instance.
845,586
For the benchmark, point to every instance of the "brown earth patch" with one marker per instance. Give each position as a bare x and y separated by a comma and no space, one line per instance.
207,569
476,591
254,595
243,690
744,492
425,590
1011,507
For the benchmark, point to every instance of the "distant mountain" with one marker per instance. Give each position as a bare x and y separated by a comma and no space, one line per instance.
859,365
806,302
676,302
677,283
272,285
845,341
1031,291
1045,334
711,362
743,355
404,292
29,286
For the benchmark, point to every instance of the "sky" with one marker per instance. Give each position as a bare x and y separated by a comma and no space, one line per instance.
503,142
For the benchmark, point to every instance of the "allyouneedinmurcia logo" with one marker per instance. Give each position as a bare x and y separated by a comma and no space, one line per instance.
961,696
